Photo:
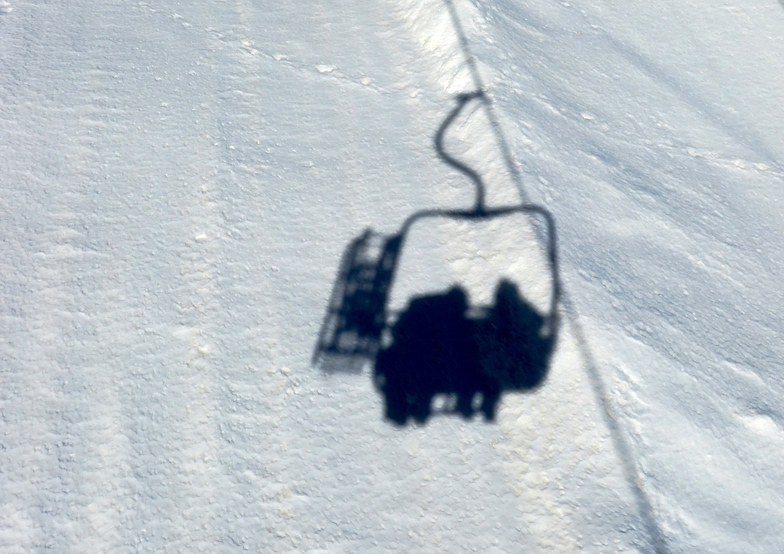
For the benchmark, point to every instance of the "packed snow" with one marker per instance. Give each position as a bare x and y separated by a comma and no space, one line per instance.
180,181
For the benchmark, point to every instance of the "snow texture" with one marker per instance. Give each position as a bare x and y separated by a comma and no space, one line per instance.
181,179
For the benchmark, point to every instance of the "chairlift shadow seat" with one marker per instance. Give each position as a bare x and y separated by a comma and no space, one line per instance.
436,348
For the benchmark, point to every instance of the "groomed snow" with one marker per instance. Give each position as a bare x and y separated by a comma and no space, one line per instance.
179,181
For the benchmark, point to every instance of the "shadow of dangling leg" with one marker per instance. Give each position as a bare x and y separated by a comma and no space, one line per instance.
490,398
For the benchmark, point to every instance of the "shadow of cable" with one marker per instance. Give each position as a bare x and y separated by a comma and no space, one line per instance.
622,446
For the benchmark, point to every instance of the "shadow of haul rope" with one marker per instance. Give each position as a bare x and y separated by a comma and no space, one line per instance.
658,541
440,347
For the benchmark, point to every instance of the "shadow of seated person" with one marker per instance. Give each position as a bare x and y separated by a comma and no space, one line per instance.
438,349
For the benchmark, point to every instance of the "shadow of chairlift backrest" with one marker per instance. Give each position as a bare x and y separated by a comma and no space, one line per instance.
439,345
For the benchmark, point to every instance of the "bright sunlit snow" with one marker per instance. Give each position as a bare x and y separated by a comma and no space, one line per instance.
181,179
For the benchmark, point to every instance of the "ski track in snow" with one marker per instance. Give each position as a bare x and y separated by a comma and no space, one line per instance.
180,182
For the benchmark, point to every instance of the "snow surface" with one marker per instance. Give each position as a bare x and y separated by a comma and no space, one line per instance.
180,180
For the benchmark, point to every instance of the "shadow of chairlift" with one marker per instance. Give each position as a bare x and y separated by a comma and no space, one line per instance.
439,345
